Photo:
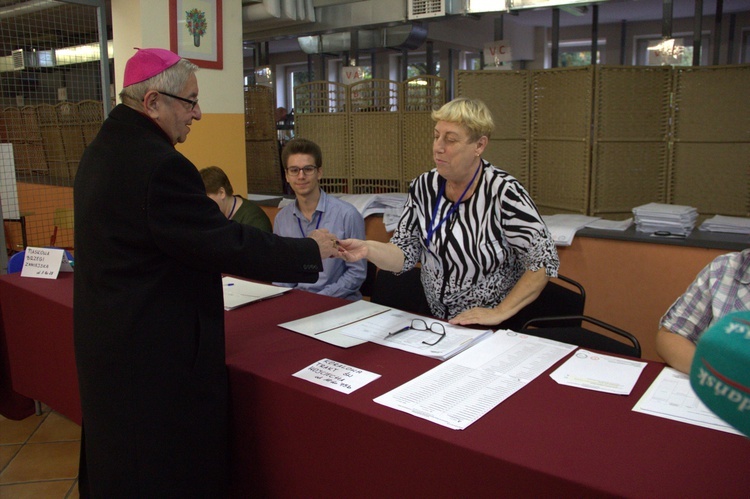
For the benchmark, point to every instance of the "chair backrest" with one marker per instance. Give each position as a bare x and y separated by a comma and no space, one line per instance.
63,219
584,337
15,262
403,291
556,299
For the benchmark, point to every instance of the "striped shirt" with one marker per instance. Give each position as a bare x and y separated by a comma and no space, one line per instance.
480,250
723,286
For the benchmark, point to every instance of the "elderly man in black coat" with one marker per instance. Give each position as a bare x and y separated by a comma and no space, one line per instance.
148,316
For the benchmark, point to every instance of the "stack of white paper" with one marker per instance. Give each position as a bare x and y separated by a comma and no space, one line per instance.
564,227
460,391
668,218
369,204
732,225
602,224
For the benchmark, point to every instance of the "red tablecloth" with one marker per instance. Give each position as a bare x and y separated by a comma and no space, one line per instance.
304,440
38,325
291,438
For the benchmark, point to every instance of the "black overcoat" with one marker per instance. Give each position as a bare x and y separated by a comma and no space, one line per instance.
150,248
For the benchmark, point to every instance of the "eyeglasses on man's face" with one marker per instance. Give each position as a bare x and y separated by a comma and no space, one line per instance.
308,170
192,103
420,325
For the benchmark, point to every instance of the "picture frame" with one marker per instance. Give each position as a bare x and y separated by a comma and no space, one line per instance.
196,32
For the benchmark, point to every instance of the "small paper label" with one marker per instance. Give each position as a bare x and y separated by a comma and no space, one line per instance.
335,375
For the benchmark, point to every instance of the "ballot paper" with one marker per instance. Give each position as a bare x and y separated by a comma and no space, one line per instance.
238,292
671,396
461,390
603,373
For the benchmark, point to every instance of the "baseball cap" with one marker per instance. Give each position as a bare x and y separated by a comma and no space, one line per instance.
719,373
147,63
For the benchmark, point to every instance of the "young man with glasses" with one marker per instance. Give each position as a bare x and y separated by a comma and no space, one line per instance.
314,209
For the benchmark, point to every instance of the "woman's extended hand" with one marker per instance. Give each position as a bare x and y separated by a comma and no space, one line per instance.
352,250
478,315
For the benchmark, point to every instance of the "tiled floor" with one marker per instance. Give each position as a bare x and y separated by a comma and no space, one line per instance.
39,457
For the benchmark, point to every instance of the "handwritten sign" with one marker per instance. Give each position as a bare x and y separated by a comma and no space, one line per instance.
44,263
497,52
337,376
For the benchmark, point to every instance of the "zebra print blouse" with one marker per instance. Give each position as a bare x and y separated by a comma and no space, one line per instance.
476,256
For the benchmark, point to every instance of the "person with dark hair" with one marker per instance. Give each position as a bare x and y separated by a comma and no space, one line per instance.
234,207
483,247
148,319
313,209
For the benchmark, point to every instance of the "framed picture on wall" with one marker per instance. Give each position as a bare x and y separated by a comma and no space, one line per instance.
195,31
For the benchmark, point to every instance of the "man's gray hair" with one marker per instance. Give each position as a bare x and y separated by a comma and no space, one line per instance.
172,80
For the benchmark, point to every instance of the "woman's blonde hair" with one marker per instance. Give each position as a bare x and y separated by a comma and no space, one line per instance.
472,114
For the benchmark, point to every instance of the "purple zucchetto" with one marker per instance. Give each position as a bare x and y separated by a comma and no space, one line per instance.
147,63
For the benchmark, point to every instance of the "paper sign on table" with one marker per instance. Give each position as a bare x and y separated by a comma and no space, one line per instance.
45,263
603,373
337,376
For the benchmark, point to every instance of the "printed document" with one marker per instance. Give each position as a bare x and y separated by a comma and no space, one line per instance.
238,292
377,329
671,396
603,373
327,326
362,321
463,389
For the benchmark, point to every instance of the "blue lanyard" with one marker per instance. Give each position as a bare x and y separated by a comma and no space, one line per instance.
431,230
320,217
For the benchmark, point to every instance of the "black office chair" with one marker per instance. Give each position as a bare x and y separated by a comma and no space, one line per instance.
557,314
403,291
562,296
583,337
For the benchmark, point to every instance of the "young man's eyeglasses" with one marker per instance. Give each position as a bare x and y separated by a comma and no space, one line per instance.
308,170
192,103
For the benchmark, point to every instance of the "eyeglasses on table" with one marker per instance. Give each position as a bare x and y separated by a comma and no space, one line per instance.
421,325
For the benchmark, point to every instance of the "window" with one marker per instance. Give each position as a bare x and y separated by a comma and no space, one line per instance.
578,53
472,61
745,50
416,65
683,50
295,75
